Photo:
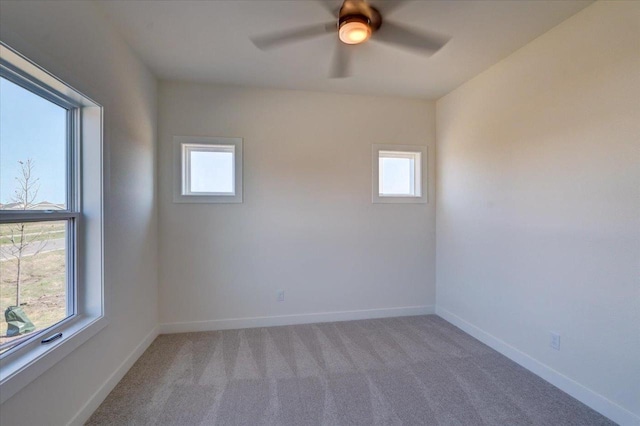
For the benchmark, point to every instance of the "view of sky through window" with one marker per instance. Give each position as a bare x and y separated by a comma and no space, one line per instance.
212,171
396,176
31,128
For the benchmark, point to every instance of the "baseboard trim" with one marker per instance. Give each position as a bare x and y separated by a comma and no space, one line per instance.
237,323
96,399
583,394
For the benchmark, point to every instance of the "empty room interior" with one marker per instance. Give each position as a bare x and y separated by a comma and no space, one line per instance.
319,212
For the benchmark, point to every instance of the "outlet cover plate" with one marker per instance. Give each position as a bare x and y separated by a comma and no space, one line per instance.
554,341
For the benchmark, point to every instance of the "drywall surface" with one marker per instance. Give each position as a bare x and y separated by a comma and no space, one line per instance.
307,224
538,202
73,41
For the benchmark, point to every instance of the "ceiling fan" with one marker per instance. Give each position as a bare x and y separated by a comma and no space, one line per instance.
357,22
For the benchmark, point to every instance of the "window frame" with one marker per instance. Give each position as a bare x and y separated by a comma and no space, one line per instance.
187,149
83,214
71,213
416,172
183,146
418,154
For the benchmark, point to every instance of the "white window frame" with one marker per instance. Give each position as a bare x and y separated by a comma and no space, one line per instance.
183,147
412,152
187,149
23,363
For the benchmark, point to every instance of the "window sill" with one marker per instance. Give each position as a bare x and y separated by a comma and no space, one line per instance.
17,373
398,199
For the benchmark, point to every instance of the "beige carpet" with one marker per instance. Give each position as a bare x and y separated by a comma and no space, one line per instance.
395,371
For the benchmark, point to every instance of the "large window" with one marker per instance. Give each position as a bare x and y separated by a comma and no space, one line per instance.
38,199
51,293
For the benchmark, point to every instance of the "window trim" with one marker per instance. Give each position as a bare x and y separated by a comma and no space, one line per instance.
181,175
420,173
21,365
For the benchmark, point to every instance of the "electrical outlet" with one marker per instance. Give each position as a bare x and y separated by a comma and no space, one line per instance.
555,341
280,295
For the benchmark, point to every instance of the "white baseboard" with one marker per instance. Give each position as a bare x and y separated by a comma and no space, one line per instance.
96,399
583,394
236,323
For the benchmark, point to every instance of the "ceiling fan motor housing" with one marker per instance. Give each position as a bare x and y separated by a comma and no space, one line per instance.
354,29
359,10
357,21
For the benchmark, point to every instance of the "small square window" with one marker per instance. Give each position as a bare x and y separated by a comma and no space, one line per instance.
210,170
398,174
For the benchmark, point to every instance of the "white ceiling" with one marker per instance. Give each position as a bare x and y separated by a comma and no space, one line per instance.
208,41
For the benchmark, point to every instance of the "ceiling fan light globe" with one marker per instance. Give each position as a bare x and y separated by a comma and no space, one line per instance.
354,32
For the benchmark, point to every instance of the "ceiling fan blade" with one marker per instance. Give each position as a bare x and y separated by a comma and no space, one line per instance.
387,7
340,64
276,39
405,37
331,6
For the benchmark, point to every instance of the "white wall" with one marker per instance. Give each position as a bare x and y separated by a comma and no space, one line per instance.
74,41
307,224
538,207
